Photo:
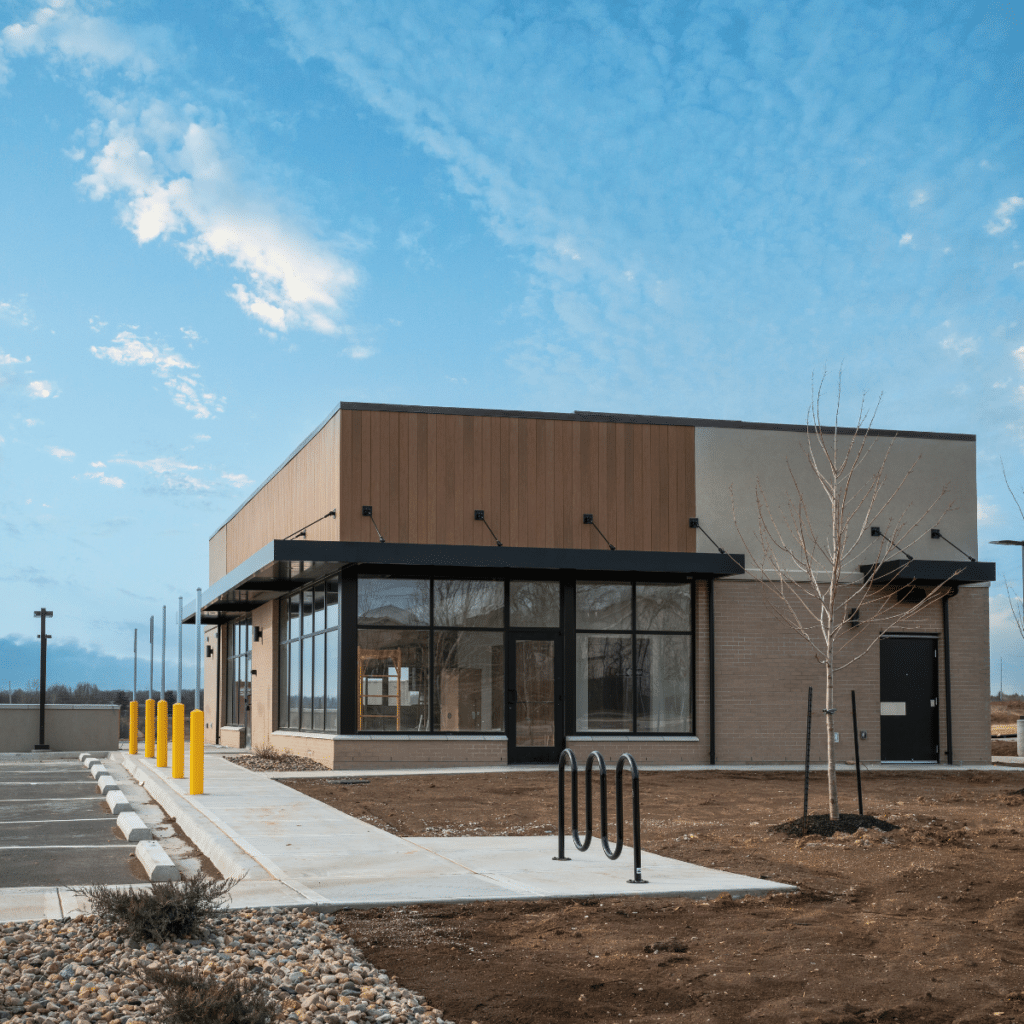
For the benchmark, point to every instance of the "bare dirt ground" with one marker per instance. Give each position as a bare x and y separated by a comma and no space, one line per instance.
922,924
1004,723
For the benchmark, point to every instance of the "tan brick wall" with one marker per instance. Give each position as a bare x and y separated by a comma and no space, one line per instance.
763,670
385,752
230,736
647,751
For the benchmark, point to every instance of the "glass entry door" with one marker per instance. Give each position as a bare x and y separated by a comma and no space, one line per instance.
534,706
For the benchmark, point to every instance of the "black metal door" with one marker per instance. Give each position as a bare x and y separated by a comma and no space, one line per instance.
909,696
534,708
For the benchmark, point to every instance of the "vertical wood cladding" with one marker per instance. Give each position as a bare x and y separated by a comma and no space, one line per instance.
425,474
303,490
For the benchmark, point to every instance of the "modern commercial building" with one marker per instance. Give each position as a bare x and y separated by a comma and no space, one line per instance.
427,586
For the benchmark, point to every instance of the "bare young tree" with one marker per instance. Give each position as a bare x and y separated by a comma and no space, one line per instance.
812,543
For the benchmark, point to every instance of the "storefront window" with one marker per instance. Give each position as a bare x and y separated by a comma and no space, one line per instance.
239,671
634,677
393,667
308,667
534,604
475,604
469,666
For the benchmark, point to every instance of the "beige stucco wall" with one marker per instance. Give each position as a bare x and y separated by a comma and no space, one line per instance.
731,463
68,727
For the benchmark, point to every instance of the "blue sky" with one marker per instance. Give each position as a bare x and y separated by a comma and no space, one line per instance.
219,220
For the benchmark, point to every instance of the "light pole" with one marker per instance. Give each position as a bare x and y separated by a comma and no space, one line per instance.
42,615
1014,543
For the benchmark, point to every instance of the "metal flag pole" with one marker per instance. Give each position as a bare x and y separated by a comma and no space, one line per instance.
151,657
163,656
179,649
135,664
199,644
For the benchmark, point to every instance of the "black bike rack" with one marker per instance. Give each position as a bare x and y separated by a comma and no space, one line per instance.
594,757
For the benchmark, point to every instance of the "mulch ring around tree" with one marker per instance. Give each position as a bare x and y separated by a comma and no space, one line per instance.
823,825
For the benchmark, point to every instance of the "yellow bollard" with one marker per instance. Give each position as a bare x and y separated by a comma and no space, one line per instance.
161,734
178,742
195,753
150,726
133,727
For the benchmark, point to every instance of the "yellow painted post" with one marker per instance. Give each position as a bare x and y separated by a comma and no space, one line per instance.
178,741
161,734
195,752
150,726
133,727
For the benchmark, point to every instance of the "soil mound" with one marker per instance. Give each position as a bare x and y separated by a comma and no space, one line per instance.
823,825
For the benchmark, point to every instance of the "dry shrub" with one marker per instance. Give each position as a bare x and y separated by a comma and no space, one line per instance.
268,752
167,910
192,997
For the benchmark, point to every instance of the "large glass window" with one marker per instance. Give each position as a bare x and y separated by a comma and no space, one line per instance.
308,677
634,657
393,669
446,677
239,671
469,667
534,604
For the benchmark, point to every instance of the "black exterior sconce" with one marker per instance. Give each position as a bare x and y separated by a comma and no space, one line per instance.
209,651
257,634
853,617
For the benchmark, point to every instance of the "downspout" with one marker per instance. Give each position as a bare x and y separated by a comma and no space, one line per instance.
949,689
711,665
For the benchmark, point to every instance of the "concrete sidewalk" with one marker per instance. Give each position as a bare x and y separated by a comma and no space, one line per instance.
294,849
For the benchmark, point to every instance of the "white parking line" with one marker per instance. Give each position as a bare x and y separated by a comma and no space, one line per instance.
80,846
37,799
52,821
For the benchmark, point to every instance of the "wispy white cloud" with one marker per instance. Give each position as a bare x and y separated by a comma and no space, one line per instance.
128,349
1002,220
43,389
961,346
987,512
359,352
62,453
13,313
918,197
9,360
186,389
176,475
236,479
110,481
62,29
175,174
906,239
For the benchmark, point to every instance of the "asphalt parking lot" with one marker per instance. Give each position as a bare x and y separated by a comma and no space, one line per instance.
55,828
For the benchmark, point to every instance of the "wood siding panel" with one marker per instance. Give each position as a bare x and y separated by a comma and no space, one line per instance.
426,473
304,489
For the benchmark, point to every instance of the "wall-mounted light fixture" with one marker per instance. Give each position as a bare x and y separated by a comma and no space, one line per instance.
209,651
368,512
853,617
257,634
588,520
478,516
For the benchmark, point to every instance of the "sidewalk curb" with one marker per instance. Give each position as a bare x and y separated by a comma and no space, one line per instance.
227,856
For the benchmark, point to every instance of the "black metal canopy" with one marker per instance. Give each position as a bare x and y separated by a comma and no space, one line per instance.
928,572
285,565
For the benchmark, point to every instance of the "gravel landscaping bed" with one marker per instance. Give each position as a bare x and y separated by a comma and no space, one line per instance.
80,970
278,763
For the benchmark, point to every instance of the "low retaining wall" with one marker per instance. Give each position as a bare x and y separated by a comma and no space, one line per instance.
395,750
68,727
